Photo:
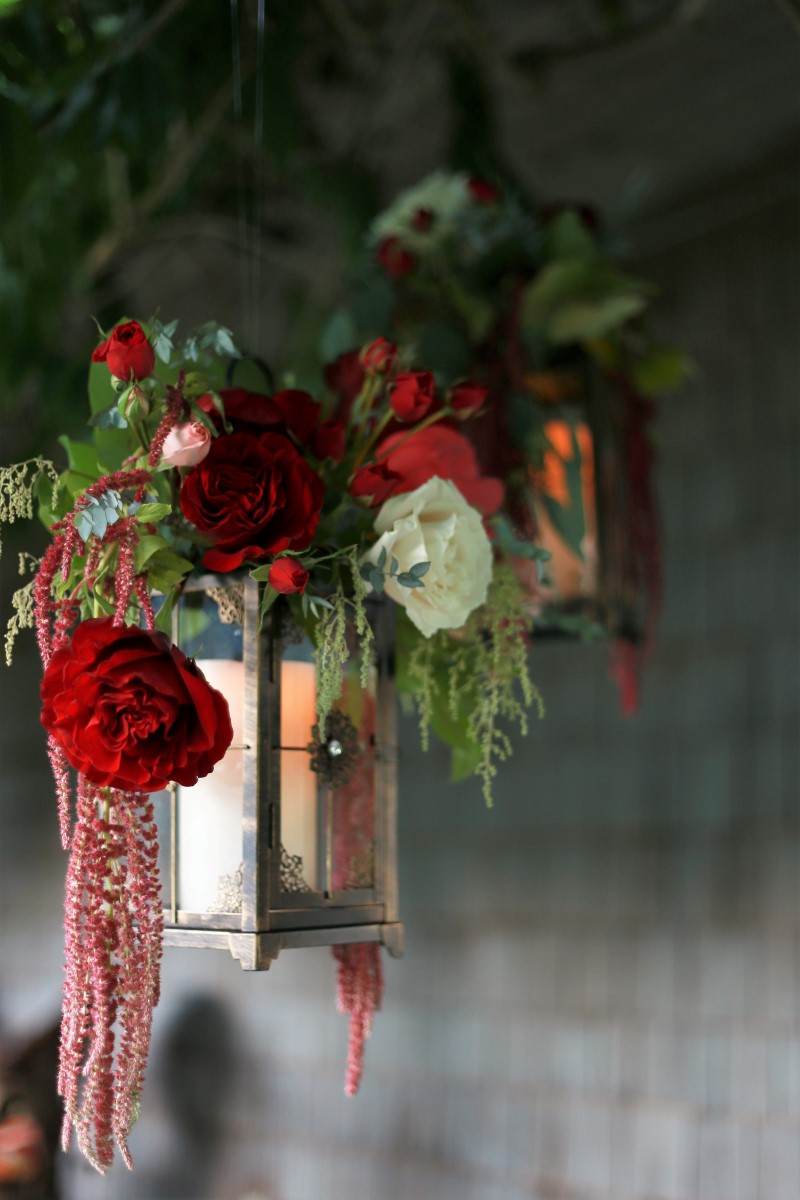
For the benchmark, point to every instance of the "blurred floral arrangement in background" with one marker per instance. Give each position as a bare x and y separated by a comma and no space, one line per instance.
530,303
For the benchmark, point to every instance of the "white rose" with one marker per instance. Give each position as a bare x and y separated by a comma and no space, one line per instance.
435,524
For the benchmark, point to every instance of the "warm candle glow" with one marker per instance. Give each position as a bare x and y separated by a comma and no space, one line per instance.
210,813
298,781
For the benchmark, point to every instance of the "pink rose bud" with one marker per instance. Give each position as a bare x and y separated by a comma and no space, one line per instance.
186,445
287,575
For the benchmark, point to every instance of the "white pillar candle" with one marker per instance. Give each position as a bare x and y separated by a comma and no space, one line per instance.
210,813
299,833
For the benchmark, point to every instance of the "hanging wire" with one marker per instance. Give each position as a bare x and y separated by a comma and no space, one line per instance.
241,203
258,158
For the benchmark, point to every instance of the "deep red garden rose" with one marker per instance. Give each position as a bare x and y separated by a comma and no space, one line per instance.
131,711
439,450
375,483
252,497
245,411
127,352
467,398
481,191
394,258
378,357
291,412
329,440
412,395
288,576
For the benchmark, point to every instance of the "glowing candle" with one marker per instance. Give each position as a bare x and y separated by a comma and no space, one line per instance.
298,781
210,813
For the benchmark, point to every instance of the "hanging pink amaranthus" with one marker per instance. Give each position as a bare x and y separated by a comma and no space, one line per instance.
113,911
359,993
114,927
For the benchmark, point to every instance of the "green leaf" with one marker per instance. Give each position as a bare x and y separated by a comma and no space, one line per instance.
101,388
108,418
147,546
267,600
224,343
419,569
164,614
661,369
567,237
82,457
581,321
407,580
166,569
151,514
381,563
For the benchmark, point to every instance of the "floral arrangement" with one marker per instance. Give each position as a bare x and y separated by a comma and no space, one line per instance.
374,488
530,302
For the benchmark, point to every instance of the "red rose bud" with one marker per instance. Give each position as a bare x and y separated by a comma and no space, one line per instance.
131,711
394,258
345,376
287,576
412,395
481,191
423,219
329,440
374,482
467,398
378,357
127,352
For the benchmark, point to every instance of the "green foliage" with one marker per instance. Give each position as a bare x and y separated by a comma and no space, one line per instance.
18,489
467,686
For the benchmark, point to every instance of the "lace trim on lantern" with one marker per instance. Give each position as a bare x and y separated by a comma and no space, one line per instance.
229,893
230,601
292,872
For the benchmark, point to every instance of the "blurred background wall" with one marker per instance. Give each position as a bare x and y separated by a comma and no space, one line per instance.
600,996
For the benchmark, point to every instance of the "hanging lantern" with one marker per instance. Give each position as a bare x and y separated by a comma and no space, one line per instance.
578,492
291,842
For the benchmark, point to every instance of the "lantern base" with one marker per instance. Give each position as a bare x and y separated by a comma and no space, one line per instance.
257,951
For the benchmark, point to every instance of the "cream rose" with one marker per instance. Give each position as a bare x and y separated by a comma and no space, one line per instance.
435,524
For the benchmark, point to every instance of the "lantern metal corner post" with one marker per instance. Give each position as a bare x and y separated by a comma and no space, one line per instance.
292,841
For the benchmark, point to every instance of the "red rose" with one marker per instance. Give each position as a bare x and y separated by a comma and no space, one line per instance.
299,413
481,191
467,398
375,482
287,575
253,497
329,440
423,219
412,395
394,258
127,352
345,377
131,711
441,451
246,412
378,357
291,412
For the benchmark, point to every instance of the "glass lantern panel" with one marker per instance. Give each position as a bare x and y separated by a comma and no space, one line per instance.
302,842
209,815
562,506
353,793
